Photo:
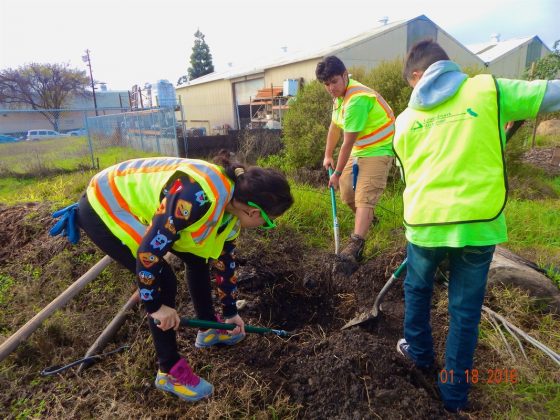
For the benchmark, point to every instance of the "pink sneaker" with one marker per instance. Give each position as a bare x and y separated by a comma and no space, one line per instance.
182,382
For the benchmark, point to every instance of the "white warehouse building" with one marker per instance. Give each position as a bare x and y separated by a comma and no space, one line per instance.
224,100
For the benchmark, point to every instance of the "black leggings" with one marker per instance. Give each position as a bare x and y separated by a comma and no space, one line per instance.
197,276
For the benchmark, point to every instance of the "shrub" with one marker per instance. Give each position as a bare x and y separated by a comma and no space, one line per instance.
305,127
386,78
547,67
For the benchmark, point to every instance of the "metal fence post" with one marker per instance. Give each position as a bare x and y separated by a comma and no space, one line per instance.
153,125
174,122
90,143
141,129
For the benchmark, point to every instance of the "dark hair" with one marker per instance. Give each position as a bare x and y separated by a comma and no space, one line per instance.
267,188
329,67
421,56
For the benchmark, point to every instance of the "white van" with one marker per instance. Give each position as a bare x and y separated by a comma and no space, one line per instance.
43,134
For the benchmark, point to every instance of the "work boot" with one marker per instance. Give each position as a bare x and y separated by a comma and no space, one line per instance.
354,248
183,382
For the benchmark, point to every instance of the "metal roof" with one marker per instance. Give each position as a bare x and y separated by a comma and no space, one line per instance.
492,50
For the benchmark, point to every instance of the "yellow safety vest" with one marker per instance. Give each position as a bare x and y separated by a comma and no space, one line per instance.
453,158
380,127
126,197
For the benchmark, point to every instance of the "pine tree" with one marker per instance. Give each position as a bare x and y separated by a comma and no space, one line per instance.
201,59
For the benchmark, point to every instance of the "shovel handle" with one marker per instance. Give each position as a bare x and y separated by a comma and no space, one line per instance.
199,323
401,268
387,286
334,216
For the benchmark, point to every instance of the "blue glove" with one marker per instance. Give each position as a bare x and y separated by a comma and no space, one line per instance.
66,226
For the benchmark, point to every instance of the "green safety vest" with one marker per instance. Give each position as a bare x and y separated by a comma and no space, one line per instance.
380,126
127,196
453,158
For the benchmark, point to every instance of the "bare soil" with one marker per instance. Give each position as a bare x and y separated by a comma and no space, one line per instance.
542,157
319,372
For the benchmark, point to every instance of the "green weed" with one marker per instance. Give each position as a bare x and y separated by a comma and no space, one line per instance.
25,408
6,284
32,271
552,273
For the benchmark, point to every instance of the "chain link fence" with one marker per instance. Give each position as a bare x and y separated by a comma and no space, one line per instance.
43,142
150,130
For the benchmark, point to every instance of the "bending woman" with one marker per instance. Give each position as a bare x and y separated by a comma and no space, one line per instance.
139,210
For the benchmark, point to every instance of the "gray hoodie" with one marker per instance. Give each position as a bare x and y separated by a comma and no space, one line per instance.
442,80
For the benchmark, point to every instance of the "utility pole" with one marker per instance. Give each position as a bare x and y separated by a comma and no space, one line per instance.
86,59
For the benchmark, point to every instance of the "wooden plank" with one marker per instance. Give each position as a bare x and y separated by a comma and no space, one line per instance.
21,335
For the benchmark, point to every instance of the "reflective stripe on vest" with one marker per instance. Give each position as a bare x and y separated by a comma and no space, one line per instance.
234,233
127,195
221,187
453,159
384,124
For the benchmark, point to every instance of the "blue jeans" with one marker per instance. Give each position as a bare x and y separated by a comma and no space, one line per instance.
467,284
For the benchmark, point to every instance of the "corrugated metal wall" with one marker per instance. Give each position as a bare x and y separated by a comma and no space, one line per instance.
457,52
207,105
514,63
372,52
511,64
277,75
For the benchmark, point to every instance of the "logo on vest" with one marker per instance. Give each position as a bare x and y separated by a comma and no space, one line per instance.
471,112
417,125
445,118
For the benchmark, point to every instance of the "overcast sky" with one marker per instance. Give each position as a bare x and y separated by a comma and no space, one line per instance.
139,41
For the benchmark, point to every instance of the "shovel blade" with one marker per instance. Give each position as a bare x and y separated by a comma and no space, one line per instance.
368,316
362,318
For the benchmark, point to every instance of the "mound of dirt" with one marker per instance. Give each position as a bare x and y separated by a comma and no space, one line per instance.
549,128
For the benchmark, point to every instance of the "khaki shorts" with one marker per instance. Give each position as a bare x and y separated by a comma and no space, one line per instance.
372,180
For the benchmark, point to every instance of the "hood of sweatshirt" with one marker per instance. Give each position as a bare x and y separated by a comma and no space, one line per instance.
440,82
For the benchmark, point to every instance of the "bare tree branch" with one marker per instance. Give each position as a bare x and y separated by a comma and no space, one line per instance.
41,87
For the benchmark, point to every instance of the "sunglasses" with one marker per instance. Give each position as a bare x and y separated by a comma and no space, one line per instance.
269,223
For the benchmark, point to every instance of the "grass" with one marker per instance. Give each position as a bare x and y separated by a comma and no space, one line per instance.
63,153
534,229
29,159
536,394
62,189
22,187
311,215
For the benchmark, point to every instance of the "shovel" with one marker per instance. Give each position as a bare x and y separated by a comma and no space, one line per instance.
199,323
368,316
335,217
